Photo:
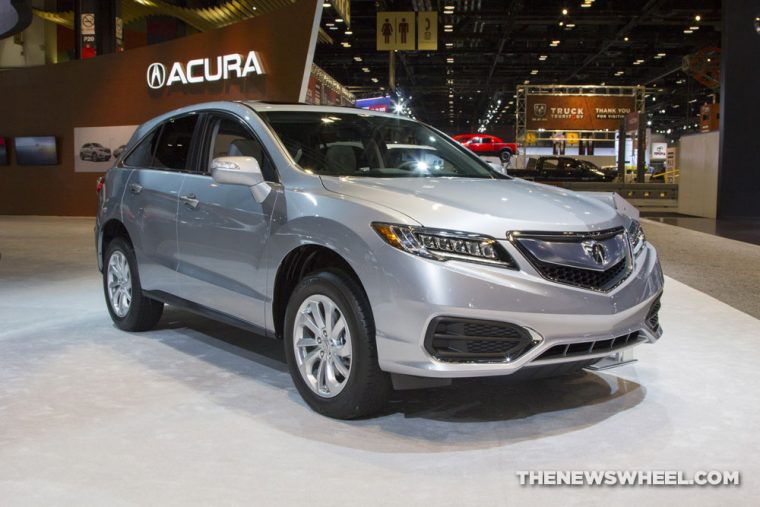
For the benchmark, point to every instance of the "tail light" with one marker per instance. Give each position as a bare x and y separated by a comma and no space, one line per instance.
100,185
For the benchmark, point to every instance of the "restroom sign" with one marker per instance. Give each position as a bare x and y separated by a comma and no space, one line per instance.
396,31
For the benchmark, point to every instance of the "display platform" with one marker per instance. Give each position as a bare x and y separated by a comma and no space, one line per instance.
196,412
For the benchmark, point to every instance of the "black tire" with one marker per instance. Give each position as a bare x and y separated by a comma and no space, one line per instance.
367,388
505,156
143,313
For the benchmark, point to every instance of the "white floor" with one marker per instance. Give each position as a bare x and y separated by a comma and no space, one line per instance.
196,413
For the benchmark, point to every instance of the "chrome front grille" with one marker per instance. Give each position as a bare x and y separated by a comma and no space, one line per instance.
596,261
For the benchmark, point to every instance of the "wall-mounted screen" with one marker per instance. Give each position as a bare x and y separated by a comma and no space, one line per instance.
3,151
38,150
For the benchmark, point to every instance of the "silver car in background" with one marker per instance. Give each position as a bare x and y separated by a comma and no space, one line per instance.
379,250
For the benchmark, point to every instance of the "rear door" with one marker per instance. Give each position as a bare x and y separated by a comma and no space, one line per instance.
222,230
151,198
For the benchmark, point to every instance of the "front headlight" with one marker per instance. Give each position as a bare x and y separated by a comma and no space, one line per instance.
445,245
636,236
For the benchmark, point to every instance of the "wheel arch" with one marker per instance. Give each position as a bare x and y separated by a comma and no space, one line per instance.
112,229
298,263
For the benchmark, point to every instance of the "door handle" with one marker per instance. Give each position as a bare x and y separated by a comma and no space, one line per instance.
135,188
189,200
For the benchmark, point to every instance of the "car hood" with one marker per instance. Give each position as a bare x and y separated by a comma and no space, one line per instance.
485,206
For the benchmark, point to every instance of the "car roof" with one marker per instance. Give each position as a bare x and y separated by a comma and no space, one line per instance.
264,107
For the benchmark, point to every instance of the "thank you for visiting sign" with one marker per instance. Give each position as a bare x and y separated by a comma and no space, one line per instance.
577,112
203,70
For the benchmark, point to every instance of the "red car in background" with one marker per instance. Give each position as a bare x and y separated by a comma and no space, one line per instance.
486,145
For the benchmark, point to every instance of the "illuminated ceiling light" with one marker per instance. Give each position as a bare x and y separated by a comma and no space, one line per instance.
357,58
527,81
585,6
564,12
329,24
365,69
570,25
695,28
688,31
448,29
349,32
375,80
449,44
534,72
327,5
339,20
625,38
697,18
543,58
333,28
561,23
345,44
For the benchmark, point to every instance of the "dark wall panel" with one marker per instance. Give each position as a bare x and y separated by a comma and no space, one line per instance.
112,90
739,176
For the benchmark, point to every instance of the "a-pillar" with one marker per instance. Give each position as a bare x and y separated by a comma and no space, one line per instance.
738,173
98,26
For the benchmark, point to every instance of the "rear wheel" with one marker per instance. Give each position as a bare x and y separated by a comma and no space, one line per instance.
330,347
130,310
505,156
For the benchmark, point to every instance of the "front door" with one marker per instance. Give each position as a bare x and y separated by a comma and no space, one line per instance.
222,230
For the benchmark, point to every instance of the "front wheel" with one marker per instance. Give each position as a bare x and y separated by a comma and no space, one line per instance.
130,310
330,347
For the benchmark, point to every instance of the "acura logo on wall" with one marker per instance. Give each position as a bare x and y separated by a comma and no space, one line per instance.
595,250
156,75
202,70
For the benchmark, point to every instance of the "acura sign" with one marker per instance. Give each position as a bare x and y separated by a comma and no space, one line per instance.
203,70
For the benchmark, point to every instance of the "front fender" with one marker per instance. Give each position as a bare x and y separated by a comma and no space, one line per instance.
333,221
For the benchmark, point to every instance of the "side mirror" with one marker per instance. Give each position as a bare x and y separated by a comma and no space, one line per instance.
236,171
241,171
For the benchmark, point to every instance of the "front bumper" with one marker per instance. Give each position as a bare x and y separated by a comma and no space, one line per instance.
416,291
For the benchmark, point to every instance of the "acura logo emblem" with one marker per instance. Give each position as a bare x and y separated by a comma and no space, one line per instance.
156,75
204,70
595,250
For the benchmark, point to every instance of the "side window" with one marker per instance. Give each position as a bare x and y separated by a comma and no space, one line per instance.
229,138
550,164
486,140
174,143
142,156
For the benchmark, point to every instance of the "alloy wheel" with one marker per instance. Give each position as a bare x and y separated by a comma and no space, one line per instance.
119,284
322,345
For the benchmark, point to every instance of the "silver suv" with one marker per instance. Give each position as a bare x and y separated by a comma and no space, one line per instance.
380,251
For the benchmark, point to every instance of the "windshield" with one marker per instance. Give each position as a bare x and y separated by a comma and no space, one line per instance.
340,144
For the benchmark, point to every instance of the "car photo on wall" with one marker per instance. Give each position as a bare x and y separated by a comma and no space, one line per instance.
94,152
98,148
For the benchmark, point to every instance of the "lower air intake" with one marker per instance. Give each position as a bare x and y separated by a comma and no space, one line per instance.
465,340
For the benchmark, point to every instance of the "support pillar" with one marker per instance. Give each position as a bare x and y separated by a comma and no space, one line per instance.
98,26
